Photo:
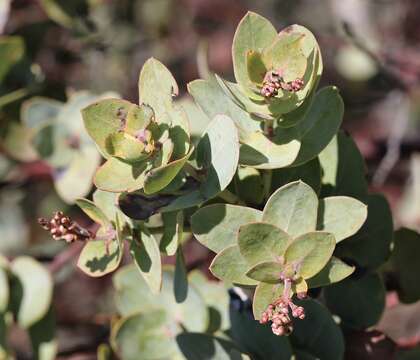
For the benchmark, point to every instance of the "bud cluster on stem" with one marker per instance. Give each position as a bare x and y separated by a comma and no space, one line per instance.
62,227
278,312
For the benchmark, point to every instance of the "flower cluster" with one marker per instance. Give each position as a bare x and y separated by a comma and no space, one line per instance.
278,312
62,227
273,81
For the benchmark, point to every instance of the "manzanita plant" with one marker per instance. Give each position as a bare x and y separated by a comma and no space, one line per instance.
272,187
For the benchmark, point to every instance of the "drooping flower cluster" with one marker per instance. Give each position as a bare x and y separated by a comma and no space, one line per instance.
273,81
278,313
62,227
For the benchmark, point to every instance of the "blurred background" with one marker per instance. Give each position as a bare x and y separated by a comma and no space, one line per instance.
70,51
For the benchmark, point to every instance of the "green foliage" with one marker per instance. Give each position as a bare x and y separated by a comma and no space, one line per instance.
26,289
264,179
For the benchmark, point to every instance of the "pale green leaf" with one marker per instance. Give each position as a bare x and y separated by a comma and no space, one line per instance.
292,208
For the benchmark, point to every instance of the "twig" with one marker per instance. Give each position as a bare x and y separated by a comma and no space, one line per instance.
65,256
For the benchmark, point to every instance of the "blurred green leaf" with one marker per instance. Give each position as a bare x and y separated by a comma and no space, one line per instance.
144,336
42,335
133,295
358,302
12,50
37,286
404,259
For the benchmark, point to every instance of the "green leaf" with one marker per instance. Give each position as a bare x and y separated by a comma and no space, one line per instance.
370,247
249,185
94,212
343,168
144,336
212,101
261,242
38,111
105,118
285,55
254,32
264,295
37,287
216,226
42,335
255,67
217,299
133,295
309,173
341,216
195,346
12,50
292,208
319,126
100,257
267,272
255,339
218,155
180,277
157,87
4,289
317,334
75,181
106,202
146,255
405,264
229,265
335,271
358,302
310,252
173,223
158,178
118,176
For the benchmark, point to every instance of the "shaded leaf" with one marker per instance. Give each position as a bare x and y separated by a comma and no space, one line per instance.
317,334
370,247
216,226
180,277
358,302
146,255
